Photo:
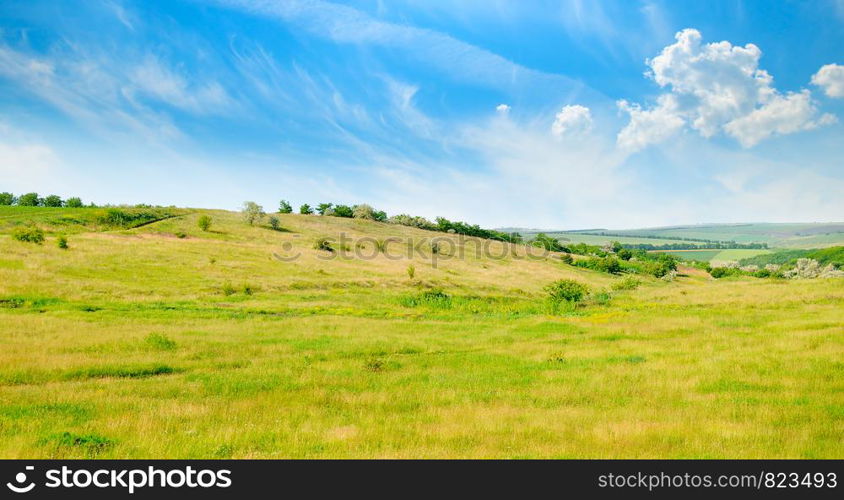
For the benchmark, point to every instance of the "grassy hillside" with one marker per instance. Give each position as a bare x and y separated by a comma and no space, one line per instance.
168,341
718,255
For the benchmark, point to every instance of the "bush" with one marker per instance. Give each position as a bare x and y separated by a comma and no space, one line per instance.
306,209
7,199
323,244
548,243
74,202
322,208
227,289
204,222
566,290
29,200
274,223
567,259
29,234
62,243
284,207
363,211
628,283
252,212
411,271
602,264
180,235
53,201
343,211
722,272
624,254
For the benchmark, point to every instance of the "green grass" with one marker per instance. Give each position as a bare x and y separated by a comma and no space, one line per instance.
734,254
126,346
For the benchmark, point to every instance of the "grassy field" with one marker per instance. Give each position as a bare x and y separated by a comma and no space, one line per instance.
733,254
142,344
806,235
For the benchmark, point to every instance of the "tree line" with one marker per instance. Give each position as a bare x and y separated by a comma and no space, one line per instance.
34,200
364,211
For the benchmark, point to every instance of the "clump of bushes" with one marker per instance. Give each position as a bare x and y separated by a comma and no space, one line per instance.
602,264
436,299
62,242
566,291
29,234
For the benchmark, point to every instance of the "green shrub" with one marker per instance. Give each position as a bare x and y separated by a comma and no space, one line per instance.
566,258
602,264
181,235
204,222
306,209
29,234
722,272
62,242
284,207
601,297
7,199
566,291
411,271
627,283
322,208
323,244
275,224
227,289
624,254
343,211
248,289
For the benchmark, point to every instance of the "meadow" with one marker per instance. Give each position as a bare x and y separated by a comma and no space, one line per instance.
167,341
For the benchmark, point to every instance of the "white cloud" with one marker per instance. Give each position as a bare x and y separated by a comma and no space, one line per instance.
572,120
503,109
831,79
718,87
649,126
780,115
153,79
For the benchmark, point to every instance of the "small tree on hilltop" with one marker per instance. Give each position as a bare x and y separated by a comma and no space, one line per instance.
252,212
323,207
29,200
363,211
7,199
343,211
53,201
74,202
284,207
306,209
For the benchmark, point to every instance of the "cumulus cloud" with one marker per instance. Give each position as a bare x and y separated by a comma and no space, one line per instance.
717,88
572,120
649,126
831,79
503,109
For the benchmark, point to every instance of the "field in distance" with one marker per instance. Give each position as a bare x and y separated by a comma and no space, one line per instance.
794,235
167,341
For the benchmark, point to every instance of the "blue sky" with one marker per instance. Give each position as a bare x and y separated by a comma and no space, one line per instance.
564,114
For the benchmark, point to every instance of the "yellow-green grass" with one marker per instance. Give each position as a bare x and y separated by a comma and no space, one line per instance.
126,345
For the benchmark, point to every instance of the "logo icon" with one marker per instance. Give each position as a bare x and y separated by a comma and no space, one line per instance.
20,477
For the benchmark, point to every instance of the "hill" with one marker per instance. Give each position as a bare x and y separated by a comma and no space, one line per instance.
164,340
792,235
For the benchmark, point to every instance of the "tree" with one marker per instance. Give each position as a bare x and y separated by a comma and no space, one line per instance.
7,199
343,211
284,207
306,209
53,201
274,223
74,202
204,223
252,212
323,207
624,254
363,211
29,200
